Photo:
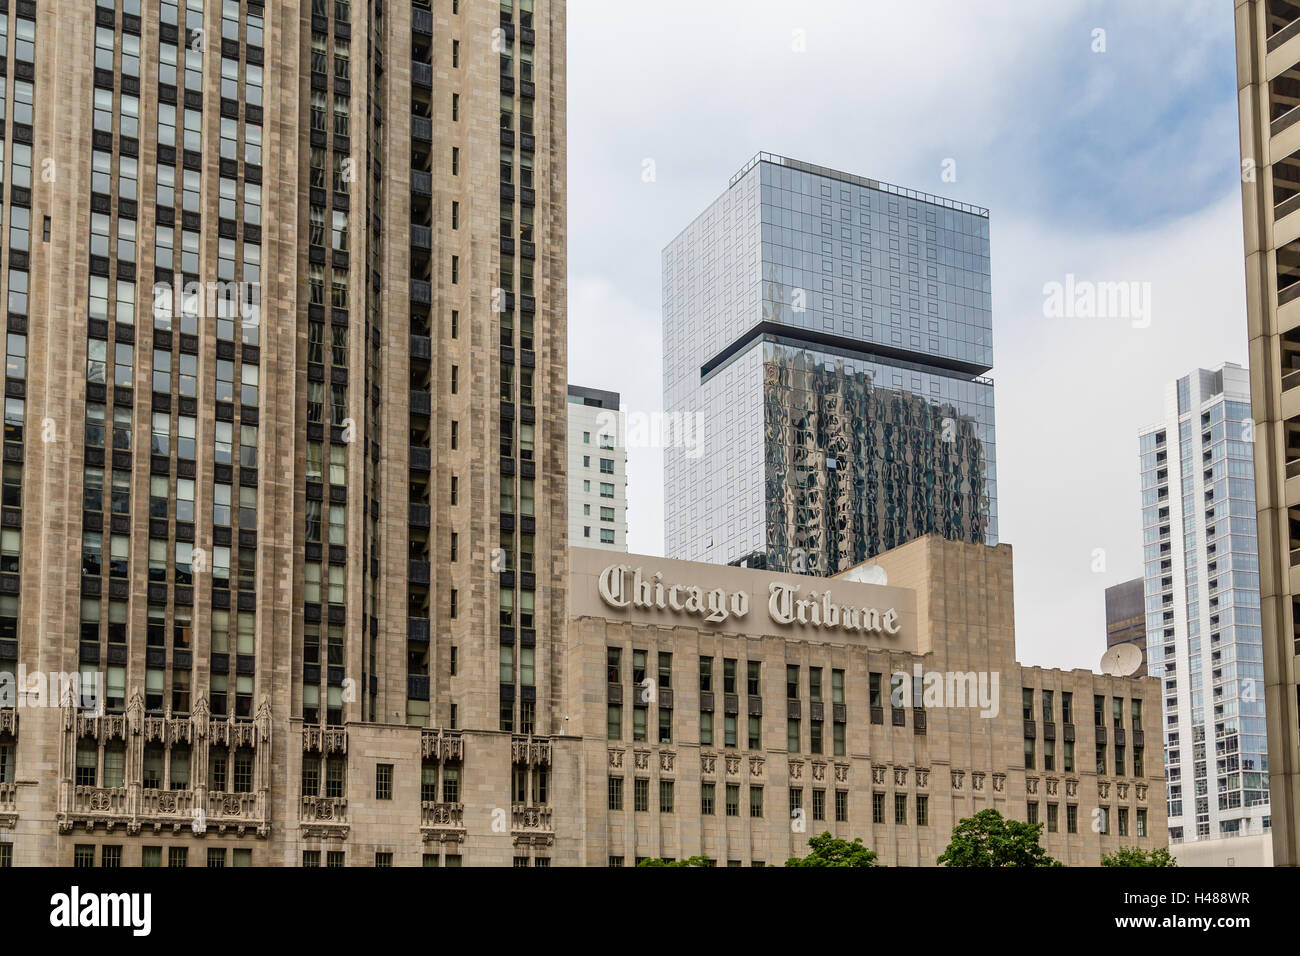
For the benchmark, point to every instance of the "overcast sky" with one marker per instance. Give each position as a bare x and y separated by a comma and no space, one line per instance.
1111,165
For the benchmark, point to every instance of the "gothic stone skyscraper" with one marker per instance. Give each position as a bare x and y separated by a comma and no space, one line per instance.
829,332
296,530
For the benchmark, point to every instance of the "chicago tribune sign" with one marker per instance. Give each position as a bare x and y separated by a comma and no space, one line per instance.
622,586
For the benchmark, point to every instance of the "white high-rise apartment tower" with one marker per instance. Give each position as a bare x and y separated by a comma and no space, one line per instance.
1201,569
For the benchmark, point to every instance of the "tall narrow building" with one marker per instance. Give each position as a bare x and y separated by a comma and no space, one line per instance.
1268,101
285,432
597,470
829,335
1202,610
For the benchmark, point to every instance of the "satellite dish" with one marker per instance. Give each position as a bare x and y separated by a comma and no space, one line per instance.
867,574
1122,660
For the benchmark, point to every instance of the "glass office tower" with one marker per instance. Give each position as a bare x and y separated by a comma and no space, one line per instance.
1204,638
830,334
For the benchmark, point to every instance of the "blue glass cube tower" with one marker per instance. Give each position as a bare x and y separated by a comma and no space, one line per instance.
829,334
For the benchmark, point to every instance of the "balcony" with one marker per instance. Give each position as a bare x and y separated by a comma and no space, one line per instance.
8,805
422,75
450,815
236,810
168,805
442,822
441,745
324,740
422,21
421,292
421,183
532,820
422,238
420,403
323,817
421,459
422,129
110,806
1285,121
528,750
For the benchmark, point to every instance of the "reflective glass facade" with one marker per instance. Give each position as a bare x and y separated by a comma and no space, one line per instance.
1204,639
829,333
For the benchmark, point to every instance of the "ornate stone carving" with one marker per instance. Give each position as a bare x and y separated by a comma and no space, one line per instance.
641,759
1103,789
708,763
135,712
320,831
530,750
616,760
819,770
245,734
1071,788
733,764
1121,791
922,778
323,810
199,717
756,766
958,779
442,822
115,727
442,745
841,773
796,770
900,776
531,818
666,760
262,719
1031,785
977,780
878,774
999,782
87,726
155,728
1140,791
179,730
1052,783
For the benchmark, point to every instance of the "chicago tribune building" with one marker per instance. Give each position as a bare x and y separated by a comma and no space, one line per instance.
284,482
745,710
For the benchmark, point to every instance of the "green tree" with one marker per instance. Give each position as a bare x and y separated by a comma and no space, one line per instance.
1135,856
830,851
989,839
689,861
